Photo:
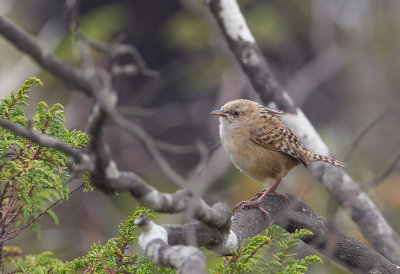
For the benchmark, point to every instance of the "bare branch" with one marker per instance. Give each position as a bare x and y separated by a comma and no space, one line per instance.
33,220
150,145
74,77
180,201
43,140
349,195
154,241
136,111
309,77
108,178
391,166
26,44
357,139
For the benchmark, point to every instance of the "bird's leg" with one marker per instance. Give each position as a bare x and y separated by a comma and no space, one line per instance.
258,194
256,201
272,189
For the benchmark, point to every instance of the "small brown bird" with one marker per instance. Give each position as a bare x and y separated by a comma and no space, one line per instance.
260,145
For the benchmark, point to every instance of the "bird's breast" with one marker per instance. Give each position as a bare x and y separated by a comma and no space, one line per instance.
256,161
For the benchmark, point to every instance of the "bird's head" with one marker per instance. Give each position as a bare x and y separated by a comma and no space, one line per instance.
241,112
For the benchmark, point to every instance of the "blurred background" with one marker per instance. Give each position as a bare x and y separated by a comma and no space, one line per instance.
339,60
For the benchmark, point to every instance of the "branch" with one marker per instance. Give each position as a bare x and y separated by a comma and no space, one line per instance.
75,78
26,44
150,145
108,178
40,214
44,140
339,184
295,214
154,241
180,201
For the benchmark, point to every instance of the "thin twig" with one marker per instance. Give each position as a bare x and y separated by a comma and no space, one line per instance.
394,162
363,132
20,229
136,111
150,145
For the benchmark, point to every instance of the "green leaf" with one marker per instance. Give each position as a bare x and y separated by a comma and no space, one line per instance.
36,229
53,216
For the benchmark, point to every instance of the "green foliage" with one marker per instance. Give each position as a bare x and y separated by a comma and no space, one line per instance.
32,177
42,263
253,257
113,257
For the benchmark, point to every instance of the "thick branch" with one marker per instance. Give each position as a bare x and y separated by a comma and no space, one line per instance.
154,241
181,201
295,214
349,195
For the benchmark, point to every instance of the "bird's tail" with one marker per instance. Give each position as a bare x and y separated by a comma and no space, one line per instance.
312,157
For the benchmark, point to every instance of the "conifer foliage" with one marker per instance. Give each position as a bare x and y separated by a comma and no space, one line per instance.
32,178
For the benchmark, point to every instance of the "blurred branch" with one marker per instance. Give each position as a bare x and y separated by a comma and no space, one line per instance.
136,111
110,179
339,184
391,166
314,73
361,134
76,78
150,145
26,44
116,49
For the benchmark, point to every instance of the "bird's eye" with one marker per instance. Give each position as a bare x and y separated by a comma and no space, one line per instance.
236,113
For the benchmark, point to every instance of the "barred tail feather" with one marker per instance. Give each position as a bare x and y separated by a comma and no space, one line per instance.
312,157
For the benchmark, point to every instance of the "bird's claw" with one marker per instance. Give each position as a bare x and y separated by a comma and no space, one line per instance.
255,202
252,204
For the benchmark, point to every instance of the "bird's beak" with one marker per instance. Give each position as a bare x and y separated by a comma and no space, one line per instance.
218,112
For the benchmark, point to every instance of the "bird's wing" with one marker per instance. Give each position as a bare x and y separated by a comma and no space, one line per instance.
279,138
273,112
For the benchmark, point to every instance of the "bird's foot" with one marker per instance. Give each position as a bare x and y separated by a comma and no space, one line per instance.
255,202
252,203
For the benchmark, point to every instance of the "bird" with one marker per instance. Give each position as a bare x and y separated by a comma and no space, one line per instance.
260,145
